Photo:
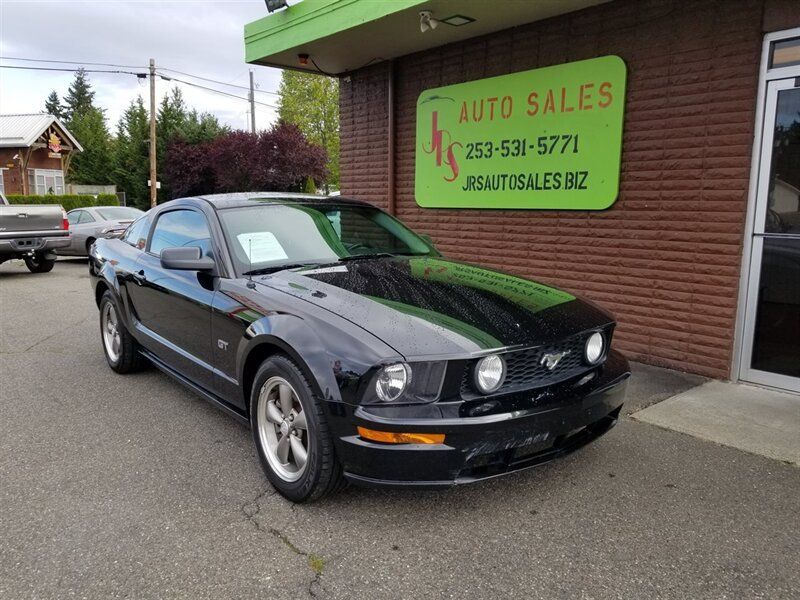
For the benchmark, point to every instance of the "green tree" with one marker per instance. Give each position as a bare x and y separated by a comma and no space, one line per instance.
131,155
170,119
88,124
94,164
312,103
80,96
202,127
52,105
175,122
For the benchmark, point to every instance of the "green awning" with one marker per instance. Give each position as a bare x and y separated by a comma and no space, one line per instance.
344,35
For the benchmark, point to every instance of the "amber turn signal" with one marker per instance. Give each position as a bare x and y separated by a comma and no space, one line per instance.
388,437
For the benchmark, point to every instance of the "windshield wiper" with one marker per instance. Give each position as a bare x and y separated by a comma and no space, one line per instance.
378,255
283,267
363,256
275,268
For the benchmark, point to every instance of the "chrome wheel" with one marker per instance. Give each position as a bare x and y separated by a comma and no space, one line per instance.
282,429
112,338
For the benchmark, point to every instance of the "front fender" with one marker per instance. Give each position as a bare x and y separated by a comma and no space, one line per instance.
104,276
109,273
332,358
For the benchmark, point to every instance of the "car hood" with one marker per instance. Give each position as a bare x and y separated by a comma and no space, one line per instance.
425,307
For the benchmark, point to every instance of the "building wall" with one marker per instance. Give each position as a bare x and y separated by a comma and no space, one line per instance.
665,258
13,176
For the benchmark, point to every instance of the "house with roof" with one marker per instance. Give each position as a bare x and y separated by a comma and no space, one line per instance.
35,151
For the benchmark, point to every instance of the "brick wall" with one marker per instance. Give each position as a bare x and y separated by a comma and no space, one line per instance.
666,257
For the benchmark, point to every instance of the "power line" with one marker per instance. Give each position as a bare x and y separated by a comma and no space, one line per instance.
241,87
142,74
216,91
72,62
100,64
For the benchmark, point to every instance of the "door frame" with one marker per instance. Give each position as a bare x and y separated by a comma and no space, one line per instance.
753,244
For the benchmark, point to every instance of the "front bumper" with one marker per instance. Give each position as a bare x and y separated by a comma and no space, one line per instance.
483,447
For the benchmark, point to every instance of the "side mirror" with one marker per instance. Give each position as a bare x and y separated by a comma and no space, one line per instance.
186,258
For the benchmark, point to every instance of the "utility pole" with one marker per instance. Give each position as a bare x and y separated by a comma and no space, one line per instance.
252,104
153,180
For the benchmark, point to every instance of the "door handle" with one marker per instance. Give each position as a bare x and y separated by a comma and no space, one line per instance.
139,277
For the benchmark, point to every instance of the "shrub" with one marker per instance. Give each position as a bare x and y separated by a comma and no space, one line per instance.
280,159
68,201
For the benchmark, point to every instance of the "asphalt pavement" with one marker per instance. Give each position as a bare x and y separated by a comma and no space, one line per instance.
132,487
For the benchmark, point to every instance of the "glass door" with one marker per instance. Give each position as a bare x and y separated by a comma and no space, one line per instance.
771,352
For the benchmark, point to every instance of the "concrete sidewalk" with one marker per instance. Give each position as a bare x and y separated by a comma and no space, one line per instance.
749,418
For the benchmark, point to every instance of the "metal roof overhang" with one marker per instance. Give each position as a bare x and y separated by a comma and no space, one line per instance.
345,35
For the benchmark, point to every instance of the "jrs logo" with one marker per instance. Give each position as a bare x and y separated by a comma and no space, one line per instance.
441,146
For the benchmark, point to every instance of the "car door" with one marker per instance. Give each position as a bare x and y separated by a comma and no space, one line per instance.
174,307
80,225
128,250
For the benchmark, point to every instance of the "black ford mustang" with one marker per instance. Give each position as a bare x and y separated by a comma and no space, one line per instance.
350,346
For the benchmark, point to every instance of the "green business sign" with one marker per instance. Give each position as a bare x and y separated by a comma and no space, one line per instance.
549,138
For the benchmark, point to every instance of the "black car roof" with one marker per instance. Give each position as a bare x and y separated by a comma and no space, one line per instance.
240,199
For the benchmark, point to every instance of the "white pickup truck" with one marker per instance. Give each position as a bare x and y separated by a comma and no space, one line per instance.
31,232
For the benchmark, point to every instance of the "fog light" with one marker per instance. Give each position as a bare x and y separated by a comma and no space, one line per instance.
392,381
595,346
388,437
490,373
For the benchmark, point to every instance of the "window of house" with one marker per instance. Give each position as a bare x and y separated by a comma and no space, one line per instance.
45,181
2,183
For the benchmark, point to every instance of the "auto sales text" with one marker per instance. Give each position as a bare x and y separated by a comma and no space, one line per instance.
547,180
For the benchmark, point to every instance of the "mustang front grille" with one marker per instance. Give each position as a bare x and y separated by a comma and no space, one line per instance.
530,368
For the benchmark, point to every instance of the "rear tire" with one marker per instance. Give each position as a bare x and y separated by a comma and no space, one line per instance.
38,264
274,424
89,243
121,350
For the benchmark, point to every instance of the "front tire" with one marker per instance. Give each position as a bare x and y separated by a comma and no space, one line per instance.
121,350
39,264
291,433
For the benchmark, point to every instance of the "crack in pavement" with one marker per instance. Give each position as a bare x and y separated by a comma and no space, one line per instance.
315,562
49,337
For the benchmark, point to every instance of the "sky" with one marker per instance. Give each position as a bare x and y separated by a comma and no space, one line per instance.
203,38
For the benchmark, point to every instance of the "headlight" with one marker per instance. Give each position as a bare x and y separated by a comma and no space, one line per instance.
595,347
392,381
490,371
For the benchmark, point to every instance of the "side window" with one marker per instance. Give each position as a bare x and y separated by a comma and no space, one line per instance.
74,217
179,228
85,217
136,234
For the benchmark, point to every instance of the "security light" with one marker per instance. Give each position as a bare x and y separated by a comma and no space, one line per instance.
426,21
273,5
457,20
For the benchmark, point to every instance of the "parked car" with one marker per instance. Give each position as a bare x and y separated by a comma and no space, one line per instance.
32,232
88,224
351,347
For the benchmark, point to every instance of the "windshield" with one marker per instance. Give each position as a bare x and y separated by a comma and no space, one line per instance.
119,213
262,237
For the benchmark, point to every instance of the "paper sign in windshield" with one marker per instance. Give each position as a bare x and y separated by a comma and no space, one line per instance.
261,246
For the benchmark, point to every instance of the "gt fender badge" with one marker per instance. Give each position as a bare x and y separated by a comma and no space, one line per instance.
222,344
551,359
